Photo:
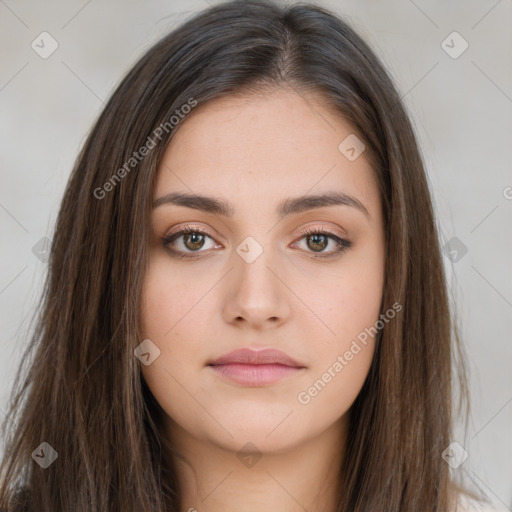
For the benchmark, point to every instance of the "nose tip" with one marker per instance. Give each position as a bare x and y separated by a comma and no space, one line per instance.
257,297
272,319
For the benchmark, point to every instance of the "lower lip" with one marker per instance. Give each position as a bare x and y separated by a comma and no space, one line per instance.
255,374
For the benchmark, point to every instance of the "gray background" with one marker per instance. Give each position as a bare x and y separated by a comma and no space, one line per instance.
461,108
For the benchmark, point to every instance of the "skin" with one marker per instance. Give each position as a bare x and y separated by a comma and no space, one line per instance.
255,151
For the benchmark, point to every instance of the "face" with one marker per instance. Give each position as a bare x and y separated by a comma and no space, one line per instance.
270,271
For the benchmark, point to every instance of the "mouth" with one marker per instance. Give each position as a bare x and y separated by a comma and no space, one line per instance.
256,368
254,375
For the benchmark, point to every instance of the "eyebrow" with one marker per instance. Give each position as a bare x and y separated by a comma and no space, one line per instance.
287,207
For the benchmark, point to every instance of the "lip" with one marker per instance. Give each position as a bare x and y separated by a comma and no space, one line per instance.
255,368
256,357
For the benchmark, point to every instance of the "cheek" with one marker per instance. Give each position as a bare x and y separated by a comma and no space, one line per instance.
345,300
343,359
170,310
334,386
171,298
349,306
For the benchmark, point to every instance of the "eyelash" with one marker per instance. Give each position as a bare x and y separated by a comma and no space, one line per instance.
341,244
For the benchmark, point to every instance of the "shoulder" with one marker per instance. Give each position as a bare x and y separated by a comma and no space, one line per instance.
471,505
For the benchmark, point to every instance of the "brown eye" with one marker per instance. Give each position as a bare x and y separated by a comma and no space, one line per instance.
186,242
193,241
317,242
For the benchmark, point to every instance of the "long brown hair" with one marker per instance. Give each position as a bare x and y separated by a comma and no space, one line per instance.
79,387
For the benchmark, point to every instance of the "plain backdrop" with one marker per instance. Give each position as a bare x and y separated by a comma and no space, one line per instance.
460,100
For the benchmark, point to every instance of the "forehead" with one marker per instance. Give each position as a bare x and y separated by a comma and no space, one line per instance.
275,143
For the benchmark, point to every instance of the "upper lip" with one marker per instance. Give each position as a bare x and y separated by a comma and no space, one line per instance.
250,356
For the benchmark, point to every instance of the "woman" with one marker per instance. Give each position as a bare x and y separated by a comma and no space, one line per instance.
245,305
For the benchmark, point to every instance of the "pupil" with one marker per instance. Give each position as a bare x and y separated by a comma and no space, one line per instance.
318,240
194,238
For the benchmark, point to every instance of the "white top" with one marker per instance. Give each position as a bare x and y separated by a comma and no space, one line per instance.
469,505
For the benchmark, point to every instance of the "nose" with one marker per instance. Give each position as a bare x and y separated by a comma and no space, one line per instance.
257,296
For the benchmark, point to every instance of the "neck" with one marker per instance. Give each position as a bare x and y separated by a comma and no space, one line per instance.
304,477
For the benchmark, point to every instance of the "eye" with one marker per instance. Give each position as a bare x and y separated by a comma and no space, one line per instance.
318,240
194,239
